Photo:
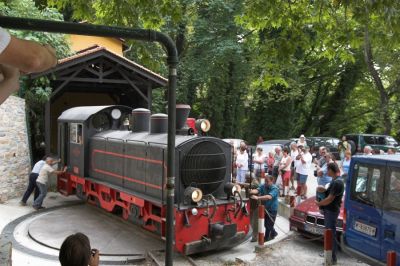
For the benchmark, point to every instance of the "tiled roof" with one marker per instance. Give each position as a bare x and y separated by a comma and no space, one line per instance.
94,49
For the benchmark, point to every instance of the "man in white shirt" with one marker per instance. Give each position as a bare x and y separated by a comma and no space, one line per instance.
303,166
32,182
16,56
43,179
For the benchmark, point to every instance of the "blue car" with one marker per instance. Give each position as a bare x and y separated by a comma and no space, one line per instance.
372,208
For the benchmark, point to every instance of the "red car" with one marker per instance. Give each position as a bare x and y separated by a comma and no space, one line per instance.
307,219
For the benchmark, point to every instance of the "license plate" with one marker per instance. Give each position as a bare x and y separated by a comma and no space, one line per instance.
314,229
365,228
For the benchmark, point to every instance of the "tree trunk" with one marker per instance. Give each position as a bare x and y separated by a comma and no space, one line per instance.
384,97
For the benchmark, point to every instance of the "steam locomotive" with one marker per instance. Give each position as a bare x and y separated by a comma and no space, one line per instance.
117,160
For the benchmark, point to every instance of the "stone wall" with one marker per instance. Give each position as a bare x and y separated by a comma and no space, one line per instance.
14,149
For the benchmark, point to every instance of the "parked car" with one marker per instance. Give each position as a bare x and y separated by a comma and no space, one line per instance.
330,143
270,145
380,142
236,142
372,208
307,219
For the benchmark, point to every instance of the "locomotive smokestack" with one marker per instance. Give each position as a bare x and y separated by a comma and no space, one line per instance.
158,123
182,113
141,120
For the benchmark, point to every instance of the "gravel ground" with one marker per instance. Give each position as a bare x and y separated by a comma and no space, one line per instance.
298,250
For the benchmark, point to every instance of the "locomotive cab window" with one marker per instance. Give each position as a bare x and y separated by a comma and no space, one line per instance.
75,133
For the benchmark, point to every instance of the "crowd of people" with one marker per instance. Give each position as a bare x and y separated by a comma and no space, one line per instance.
270,174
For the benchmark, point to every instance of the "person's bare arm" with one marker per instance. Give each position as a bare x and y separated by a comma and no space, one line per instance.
57,172
28,56
9,83
325,201
265,197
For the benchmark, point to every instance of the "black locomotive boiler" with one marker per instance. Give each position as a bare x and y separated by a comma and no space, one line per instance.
117,160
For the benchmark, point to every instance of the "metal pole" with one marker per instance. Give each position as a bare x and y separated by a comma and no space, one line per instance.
136,34
171,160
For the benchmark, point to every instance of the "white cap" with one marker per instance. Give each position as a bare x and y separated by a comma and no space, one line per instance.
302,136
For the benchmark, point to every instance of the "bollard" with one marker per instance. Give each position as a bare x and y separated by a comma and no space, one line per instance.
261,229
391,258
328,247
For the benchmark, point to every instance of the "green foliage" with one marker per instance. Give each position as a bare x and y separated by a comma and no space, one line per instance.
274,68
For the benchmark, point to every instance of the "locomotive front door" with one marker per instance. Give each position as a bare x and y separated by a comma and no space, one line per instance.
76,149
63,141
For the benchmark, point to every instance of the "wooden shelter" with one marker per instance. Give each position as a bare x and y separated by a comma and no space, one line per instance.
96,76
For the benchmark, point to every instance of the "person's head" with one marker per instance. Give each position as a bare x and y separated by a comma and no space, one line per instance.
347,154
44,158
344,138
269,180
278,150
306,149
322,150
333,170
75,250
391,151
243,146
328,157
285,151
293,146
271,154
49,160
259,150
367,149
302,138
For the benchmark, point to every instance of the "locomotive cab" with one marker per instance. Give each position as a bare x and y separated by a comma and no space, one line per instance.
77,125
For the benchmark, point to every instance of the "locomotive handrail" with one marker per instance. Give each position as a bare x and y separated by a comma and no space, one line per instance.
172,61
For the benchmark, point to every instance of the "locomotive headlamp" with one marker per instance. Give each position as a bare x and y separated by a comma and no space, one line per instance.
193,194
231,188
195,212
116,114
203,125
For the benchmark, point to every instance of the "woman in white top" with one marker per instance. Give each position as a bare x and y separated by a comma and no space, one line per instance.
284,167
259,162
242,163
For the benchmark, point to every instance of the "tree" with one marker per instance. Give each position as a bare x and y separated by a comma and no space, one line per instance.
334,30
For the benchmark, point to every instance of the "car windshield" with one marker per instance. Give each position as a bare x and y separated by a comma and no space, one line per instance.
391,141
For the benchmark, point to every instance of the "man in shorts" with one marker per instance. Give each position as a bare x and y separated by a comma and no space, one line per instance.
303,166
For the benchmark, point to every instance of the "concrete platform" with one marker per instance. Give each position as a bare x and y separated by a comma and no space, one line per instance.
109,235
37,235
